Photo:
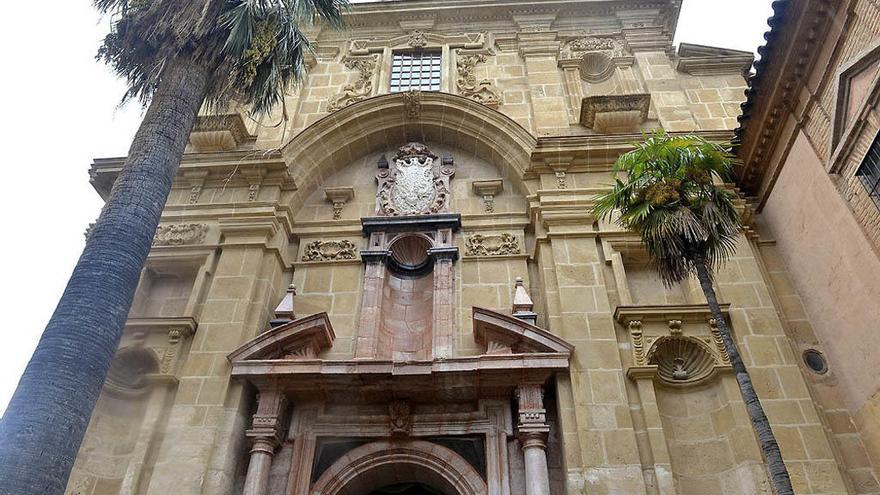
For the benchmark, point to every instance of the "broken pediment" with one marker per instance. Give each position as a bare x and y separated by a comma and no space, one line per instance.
503,334
303,338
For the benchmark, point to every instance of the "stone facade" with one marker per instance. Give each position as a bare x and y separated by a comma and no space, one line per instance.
459,321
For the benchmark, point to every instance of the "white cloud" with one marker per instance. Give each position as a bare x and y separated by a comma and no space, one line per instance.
60,111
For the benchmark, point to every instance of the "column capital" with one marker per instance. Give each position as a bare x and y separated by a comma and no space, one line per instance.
263,440
533,439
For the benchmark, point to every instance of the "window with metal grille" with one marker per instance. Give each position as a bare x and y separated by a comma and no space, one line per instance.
415,71
869,171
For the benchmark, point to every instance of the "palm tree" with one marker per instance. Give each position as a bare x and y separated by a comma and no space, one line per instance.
176,56
673,198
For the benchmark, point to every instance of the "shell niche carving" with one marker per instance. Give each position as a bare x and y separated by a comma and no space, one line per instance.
681,360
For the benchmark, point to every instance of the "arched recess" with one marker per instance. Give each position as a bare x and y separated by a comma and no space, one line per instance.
393,119
388,462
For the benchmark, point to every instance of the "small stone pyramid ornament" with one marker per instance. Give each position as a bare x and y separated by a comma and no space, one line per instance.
284,311
522,304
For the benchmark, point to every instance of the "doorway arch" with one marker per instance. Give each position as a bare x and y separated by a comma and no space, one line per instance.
385,463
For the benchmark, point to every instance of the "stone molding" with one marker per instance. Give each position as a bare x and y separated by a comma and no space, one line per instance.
487,245
427,456
201,170
419,39
333,250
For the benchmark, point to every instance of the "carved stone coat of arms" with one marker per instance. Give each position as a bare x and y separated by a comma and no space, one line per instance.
416,182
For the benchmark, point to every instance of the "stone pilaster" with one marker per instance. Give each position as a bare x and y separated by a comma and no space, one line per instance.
371,303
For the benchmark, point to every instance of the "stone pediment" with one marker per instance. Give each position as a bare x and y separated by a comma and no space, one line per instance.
503,334
300,339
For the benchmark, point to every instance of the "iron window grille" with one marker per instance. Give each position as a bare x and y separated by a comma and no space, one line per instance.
418,71
869,171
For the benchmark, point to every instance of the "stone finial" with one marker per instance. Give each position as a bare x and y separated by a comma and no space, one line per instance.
284,310
522,303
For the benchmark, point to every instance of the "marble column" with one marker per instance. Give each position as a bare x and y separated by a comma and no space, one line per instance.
532,432
265,436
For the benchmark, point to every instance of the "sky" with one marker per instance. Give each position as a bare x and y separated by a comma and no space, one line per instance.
62,110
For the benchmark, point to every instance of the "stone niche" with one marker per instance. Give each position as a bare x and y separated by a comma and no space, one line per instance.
406,303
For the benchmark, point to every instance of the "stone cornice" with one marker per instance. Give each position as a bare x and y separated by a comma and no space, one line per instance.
665,312
204,167
700,60
651,23
594,153
773,96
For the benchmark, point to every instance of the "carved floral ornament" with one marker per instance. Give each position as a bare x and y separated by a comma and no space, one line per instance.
492,245
362,88
414,183
180,234
483,91
329,251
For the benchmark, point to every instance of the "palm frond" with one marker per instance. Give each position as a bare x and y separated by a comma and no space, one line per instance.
673,196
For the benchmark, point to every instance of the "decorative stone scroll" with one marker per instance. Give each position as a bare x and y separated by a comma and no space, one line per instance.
491,245
362,88
329,251
180,234
416,182
467,85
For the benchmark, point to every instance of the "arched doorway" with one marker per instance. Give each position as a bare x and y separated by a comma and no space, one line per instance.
400,467
407,489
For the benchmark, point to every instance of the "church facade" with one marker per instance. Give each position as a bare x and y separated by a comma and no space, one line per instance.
394,285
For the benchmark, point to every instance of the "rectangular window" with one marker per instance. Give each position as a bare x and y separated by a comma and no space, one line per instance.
415,71
869,171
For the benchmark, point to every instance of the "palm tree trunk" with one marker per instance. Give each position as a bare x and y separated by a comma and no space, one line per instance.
44,425
769,448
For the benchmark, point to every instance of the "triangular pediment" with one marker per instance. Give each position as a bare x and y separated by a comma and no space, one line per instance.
503,334
302,338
